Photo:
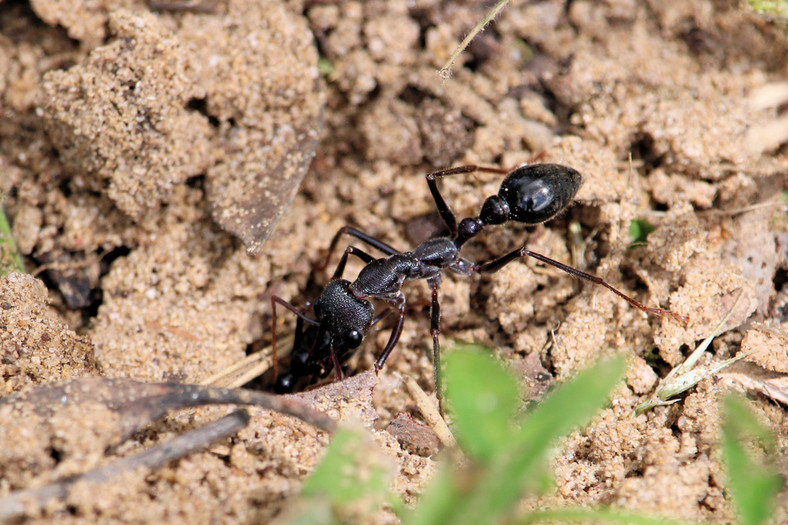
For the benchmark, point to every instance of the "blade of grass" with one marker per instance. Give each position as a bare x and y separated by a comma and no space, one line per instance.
437,502
482,414
639,230
10,261
687,375
445,71
570,406
345,475
487,492
753,485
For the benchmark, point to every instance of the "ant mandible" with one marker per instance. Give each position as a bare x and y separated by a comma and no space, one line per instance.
530,194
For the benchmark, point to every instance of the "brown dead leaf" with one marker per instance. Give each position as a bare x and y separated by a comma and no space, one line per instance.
748,377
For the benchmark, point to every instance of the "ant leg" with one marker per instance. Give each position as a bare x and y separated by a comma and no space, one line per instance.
351,250
284,384
443,208
381,316
299,332
298,339
274,300
358,234
395,333
497,264
337,367
435,330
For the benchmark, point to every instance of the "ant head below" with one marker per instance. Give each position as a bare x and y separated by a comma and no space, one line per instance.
346,317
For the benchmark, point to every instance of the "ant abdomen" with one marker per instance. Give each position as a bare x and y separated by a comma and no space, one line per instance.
536,193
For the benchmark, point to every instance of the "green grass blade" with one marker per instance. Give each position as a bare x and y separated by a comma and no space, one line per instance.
348,472
486,492
438,500
9,256
574,403
570,406
639,230
483,397
754,487
354,474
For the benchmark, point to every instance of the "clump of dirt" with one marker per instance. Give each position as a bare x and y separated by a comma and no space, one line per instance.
677,471
36,345
144,78
141,141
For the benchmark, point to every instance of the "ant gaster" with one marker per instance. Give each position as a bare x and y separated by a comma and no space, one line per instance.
530,194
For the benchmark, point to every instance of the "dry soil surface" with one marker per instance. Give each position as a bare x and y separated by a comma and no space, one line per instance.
150,155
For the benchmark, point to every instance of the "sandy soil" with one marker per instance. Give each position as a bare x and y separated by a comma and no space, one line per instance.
147,150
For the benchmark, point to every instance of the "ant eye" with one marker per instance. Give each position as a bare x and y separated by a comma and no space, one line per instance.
353,339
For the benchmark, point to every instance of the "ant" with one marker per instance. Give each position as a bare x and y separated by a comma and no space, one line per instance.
529,194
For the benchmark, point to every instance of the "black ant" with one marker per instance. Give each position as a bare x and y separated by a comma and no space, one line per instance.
530,194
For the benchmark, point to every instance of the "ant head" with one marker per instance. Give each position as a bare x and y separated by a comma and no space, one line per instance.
346,317
536,193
